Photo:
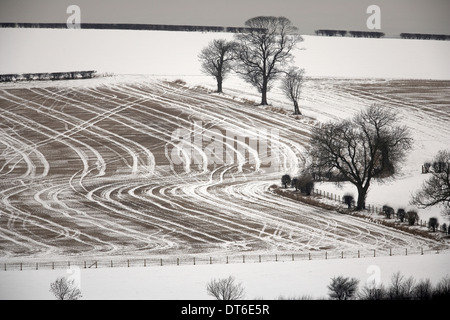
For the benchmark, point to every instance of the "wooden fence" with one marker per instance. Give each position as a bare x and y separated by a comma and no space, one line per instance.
203,260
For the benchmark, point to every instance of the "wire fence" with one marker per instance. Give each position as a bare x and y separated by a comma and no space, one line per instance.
204,260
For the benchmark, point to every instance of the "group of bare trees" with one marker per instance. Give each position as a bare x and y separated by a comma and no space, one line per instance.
346,288
260,55
371,145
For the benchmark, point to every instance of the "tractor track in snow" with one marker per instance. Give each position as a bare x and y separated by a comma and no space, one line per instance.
87,171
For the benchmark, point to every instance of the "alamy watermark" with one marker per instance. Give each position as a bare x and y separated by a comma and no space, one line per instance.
74,20
374,20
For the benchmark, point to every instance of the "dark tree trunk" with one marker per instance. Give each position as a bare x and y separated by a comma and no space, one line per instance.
264,93
219,84
362,193
296,109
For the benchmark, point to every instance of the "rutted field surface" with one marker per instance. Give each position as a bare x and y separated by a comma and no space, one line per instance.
106,170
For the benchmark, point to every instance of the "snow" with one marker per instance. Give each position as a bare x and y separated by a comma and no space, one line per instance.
174,55
267,280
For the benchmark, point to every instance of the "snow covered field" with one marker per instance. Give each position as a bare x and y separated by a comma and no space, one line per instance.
79,152
270,280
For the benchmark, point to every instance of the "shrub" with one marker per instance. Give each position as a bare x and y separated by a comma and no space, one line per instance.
412,217
65,289
426,167
373,293
433,223
294,183
343,288
305,183
225,289
388,211
444,227
285,179
401,288
348,200
423,290
401,213
442,290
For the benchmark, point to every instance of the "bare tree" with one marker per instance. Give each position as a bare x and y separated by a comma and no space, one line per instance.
401,288
65,289
216,60
291,86
264,49
343,288
370,146
225,289
436,190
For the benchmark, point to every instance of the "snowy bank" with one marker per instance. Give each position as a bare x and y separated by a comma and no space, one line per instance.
269,280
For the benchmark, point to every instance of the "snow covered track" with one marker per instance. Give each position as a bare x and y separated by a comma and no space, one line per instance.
125,169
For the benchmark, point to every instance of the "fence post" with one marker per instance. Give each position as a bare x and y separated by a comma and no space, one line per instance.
374,252
260,258
358,253
178,261
292,257
145,262
421,250
309,255
161,263
243,258
390,251
85,264
128,263
53,265
37,266
326,255
194,261
21,266
111,264
406,251
210,260
342,255
276,258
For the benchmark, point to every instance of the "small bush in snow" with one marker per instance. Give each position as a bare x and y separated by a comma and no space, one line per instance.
442,290
412,217
225,289
348,200
305,183
65,289
401,213
401,288
373,293
343,288
433,223
388,211
285,179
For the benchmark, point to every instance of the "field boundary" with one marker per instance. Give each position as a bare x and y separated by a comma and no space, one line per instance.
205,260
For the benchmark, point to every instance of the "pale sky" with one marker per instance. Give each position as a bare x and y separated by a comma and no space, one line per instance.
420,16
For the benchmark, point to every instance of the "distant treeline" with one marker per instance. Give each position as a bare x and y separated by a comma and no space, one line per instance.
128,26
47,76
374,34
424,36
343,33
